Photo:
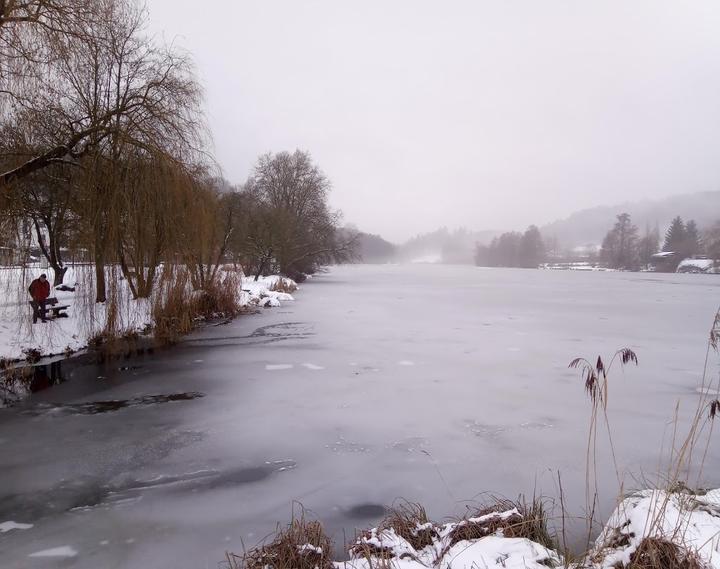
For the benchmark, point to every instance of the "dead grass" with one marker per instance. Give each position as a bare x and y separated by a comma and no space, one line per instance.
530,522
656,553
364,550
219,298
111,345
303,544
14,380
177,309
172,309
283,285
410,521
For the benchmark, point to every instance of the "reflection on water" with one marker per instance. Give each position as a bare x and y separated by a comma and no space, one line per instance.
45,376
17,382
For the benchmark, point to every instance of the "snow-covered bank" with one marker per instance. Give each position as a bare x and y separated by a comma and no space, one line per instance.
689,521
19,336
651,529
447,546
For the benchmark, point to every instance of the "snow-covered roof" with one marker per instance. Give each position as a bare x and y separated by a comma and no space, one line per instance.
702,264
663,254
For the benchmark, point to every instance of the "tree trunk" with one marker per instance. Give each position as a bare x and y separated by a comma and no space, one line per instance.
59,275
100,289
50,251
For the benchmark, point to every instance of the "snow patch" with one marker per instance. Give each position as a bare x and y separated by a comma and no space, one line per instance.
689,520
275,367
8,526
62,551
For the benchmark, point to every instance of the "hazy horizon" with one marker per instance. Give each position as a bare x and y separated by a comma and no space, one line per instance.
489,115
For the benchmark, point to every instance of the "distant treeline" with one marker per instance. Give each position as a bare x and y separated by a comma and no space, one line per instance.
622,248
513,249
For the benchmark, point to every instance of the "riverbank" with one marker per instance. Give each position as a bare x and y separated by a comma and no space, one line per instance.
651,529
86,320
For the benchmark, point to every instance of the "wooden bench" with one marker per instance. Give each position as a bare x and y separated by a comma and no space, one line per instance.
55,309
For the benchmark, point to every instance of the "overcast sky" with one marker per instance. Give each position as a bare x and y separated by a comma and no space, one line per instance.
488,115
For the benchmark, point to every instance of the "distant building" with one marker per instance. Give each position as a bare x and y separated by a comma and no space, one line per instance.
663,262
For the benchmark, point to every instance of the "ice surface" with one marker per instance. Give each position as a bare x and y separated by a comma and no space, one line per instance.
469,417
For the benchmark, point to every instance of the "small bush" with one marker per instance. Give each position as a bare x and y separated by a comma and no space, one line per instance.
32,355
530,522
283,284
220,298
410,521
656,553
109,345
14,380
172,309
302,545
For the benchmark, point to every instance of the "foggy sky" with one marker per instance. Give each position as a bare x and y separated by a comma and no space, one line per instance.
488,115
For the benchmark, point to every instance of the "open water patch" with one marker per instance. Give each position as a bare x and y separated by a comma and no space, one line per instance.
366,511
108,406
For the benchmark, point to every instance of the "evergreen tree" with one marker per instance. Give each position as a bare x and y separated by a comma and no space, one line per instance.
675,236
692,239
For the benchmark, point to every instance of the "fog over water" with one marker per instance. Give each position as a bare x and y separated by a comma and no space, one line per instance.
489,115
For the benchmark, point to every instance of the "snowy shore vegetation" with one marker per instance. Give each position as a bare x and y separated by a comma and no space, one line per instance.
174,308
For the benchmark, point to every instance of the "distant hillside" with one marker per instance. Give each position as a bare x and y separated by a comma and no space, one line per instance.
591,225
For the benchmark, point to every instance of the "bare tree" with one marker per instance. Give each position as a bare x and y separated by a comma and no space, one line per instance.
107,86
298,231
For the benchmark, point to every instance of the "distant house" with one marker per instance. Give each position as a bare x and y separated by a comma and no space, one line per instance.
663,262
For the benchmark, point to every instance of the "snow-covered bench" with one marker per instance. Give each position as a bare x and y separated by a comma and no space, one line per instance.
53,306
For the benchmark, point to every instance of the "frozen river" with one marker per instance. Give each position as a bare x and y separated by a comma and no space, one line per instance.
431,383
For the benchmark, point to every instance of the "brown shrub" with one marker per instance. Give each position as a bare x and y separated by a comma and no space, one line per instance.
302,545
656,553
283,285
172,310
406,519
529,522
220,298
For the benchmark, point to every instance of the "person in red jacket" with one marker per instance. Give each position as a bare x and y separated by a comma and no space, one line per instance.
40,291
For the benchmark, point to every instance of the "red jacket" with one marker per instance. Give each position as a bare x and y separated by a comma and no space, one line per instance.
39,290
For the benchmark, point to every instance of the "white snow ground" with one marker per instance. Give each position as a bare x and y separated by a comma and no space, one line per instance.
85,317
491,552
691,521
